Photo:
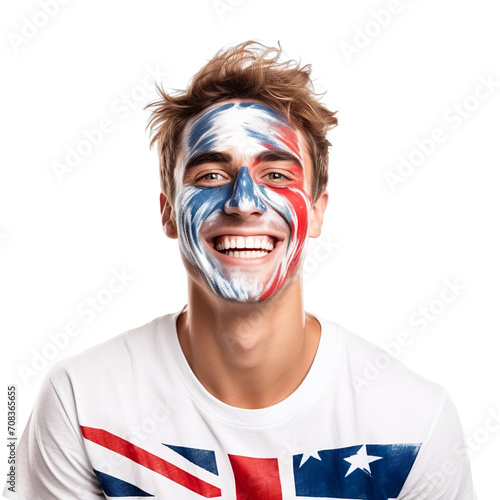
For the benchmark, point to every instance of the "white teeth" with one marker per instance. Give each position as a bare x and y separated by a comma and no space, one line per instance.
247,254
226,243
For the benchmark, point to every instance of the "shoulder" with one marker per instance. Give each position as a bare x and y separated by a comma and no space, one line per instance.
378,381
117,357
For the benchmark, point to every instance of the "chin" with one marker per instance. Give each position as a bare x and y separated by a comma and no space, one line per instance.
241,280
237,286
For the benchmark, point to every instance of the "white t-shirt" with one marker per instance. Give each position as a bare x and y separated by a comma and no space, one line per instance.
129,419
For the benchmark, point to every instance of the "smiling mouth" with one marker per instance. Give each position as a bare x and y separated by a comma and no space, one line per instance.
245,247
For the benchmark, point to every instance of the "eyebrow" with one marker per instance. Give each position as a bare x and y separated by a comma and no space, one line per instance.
277,155
269,155
207,157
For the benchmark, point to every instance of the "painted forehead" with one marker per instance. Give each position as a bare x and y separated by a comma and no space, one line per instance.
248,127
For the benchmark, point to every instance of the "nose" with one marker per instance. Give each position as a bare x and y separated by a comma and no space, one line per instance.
245,198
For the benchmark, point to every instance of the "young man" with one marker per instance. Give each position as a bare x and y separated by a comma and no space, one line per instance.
242,394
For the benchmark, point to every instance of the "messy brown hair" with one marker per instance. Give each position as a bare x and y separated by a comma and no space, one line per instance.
253,71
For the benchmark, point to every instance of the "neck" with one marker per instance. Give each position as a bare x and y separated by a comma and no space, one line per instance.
248,355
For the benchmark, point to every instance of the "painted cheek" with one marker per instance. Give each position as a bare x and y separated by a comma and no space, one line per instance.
300,206
298,203
195,205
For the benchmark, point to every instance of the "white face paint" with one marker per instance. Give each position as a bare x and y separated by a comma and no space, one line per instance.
241,205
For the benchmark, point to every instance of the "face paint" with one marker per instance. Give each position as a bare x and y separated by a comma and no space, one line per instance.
279,213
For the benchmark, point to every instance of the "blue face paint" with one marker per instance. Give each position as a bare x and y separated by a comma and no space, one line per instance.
242,130
202,137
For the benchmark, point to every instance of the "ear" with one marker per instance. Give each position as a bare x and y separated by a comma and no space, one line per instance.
168,217
316,215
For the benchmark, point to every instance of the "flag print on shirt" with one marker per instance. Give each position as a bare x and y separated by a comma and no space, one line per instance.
361,472
367,472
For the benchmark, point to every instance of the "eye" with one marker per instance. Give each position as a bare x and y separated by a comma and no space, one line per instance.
277,176
210,179
211,176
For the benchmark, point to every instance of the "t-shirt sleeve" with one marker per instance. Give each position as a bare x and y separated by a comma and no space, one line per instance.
51,458
442,468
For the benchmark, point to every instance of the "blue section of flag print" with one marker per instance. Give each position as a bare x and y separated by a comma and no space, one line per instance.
117,488
202,458
368,472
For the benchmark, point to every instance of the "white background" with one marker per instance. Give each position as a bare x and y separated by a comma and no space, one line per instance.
385,253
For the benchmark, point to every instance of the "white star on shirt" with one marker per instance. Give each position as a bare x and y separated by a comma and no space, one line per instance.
307,455
361,461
